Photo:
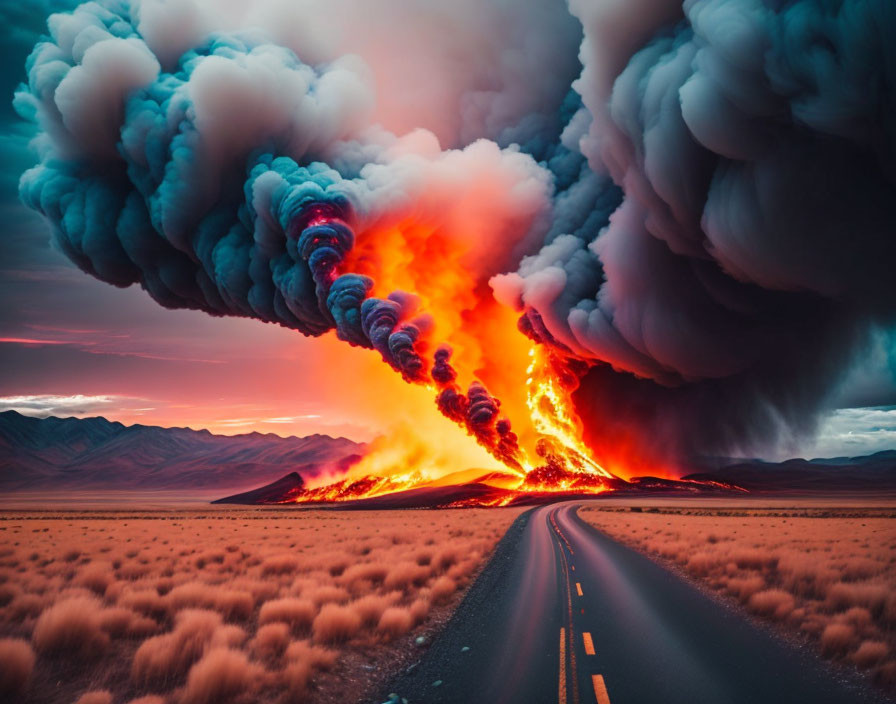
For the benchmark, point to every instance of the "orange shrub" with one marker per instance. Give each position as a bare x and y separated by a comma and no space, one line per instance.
828,574
205,605
16,665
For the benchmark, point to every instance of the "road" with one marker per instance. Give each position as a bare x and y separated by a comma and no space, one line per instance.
565,614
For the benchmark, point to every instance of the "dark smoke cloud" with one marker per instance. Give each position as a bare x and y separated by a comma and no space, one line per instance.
750,256
707,211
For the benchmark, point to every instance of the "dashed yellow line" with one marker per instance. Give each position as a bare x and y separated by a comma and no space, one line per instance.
579,588
600,689
589,644
561,693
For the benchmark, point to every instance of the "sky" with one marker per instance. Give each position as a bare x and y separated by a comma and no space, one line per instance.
71,345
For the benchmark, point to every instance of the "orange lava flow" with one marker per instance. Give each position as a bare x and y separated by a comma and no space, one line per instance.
519,392
564,462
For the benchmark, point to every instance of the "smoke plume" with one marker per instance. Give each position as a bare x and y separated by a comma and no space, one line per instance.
691,205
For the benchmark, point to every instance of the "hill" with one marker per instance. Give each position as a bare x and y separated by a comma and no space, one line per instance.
90,453
870,473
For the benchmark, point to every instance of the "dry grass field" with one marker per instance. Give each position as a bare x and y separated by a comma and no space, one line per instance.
187,607
827,574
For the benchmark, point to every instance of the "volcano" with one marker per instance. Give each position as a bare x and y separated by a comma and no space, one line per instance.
872,475
467,488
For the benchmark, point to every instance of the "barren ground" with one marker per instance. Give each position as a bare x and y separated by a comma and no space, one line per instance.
823,574
195,607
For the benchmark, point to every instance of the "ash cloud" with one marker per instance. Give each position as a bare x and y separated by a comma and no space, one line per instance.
747,261
691,201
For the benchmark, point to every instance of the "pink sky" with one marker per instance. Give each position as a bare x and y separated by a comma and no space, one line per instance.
85,349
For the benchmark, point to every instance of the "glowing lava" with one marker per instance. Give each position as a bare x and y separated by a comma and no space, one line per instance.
452,337
400,464
553,418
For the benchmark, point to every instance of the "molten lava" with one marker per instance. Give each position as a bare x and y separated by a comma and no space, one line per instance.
565,465
511,395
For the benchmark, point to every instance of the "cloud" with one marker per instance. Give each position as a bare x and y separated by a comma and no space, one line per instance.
43,405
854,431
700,237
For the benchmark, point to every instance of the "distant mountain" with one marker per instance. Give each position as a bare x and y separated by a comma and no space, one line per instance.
95,453
871,473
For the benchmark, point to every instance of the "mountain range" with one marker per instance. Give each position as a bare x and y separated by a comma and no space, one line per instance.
92,453
868,473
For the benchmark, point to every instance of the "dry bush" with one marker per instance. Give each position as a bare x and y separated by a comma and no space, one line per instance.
168,600
164,658
335,623
844,595
837,638
231,603
228,636
118,621
419,609
71,627
298,613
302,660
145,601
270,641
149,699
279,564
829,576
16,665
24,606
443,588
774,603
221,674
869,653
99,696
745,587
370,607
363,573
406,575
96,576
395,621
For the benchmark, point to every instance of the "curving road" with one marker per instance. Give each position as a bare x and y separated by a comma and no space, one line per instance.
565,614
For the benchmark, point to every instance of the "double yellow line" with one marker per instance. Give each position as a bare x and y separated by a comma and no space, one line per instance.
597,681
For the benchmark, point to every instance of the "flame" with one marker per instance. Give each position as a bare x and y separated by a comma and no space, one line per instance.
408,460
552,416
530,427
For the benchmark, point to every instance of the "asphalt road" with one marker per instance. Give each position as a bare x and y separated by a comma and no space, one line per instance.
565,614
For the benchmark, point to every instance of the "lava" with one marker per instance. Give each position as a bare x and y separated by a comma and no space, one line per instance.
415,334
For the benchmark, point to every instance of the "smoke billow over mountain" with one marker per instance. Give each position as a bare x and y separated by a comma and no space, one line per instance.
691,203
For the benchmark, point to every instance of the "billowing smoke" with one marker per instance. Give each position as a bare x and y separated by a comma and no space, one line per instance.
722,296
697,218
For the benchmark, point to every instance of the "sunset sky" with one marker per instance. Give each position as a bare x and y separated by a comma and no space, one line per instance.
71,345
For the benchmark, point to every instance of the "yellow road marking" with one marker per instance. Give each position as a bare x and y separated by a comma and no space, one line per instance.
589,644
600,689
561,696
579,588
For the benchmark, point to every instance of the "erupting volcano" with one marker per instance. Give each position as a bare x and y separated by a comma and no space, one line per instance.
396,328
605,253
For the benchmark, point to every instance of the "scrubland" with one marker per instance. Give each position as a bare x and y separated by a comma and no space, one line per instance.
226,606
826,575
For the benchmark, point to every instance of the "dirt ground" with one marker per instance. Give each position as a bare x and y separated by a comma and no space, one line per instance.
202,606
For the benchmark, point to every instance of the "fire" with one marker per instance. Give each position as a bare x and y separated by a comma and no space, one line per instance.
451,337
552,416
406,460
